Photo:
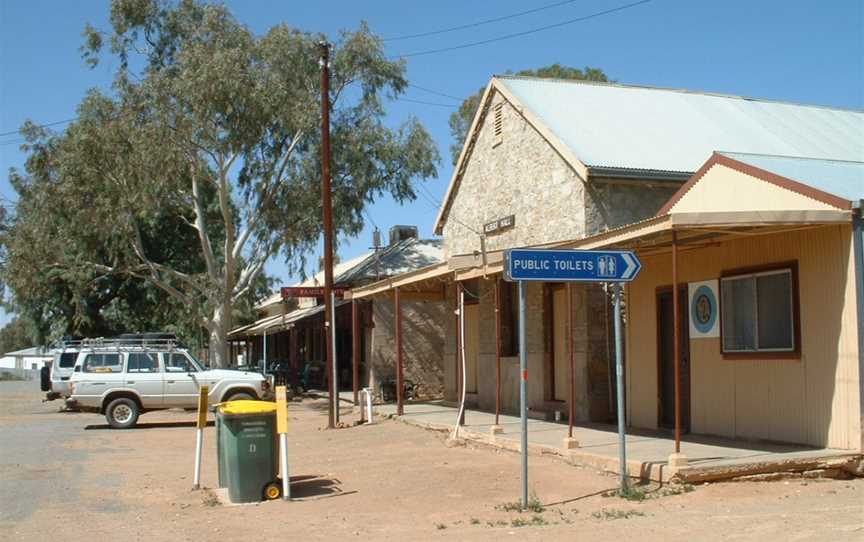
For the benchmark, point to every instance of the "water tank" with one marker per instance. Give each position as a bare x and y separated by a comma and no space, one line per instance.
400,233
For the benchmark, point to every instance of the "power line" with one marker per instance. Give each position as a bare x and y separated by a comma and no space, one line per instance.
437,207
478,23
436,92
452,106
523,33
39,126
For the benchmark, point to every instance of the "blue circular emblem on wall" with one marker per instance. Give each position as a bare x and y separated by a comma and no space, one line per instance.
703,309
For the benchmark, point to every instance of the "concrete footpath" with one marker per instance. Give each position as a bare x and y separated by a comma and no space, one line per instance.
708,458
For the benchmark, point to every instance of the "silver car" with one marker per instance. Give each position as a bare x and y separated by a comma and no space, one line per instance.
124,381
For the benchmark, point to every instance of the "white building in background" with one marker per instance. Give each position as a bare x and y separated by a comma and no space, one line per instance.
29,359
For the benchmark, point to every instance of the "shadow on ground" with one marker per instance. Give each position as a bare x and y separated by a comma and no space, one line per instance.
151,425
308,487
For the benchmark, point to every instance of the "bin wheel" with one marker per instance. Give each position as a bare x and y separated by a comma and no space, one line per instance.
273,490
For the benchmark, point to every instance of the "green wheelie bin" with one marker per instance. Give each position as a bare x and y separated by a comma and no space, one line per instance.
248,450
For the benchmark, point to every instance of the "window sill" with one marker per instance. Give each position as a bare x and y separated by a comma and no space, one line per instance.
756,356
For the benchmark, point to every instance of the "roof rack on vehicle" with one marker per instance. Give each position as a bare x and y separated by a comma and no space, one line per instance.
151,340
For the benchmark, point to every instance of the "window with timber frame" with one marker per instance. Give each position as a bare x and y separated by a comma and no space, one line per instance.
759,311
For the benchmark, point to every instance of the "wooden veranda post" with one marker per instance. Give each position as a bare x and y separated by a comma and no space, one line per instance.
459,382
497,349
676,322
398,310
355,349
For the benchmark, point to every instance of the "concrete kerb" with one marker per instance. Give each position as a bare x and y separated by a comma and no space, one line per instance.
851,464
575,457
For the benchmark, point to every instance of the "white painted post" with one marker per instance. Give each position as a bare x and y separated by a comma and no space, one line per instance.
368,402
199,434
199,444
282,429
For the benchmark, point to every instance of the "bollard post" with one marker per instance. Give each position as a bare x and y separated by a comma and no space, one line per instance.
199,434
282,429
368,402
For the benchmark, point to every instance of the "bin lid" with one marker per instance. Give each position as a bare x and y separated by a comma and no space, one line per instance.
247,407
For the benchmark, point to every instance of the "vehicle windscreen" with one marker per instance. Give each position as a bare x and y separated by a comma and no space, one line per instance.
67,360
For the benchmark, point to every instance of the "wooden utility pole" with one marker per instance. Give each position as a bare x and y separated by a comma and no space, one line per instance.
327,204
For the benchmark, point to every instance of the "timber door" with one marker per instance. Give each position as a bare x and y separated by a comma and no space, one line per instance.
666,359
472,346
560,359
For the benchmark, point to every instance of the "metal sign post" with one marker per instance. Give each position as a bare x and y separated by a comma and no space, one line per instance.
619,379
615,266
523,391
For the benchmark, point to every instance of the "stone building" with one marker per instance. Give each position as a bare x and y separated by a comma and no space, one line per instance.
547,163
519,183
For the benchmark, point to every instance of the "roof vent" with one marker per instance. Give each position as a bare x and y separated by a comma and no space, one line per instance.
400,233
498,123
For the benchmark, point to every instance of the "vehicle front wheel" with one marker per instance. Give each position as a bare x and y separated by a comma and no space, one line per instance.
239,396
122,413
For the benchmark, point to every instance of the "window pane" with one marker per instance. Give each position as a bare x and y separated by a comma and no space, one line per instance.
67,359
739,310
775,311
102,363
142,362
177,363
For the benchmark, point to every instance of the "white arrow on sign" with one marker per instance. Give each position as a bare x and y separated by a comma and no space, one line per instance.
632,266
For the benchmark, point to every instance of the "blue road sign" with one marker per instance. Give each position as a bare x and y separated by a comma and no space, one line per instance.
571,265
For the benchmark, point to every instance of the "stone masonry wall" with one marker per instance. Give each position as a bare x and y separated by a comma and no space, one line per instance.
612,204
422,342
523,176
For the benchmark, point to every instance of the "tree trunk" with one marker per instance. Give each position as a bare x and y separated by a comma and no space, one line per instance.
219,328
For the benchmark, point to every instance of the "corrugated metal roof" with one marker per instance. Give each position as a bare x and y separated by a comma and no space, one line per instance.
618,126
280,321
841,178
402,257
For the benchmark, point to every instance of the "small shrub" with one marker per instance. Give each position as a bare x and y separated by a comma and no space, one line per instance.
440,526
614,513
210,499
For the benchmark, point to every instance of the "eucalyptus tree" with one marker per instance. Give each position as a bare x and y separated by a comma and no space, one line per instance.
218,127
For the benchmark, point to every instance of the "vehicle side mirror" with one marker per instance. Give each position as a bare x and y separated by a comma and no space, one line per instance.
77,368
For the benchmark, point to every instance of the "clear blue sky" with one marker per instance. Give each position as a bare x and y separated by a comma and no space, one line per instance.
795,50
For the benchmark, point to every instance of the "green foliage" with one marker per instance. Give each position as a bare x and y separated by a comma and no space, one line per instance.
615,513
16,335
639,493
177,187
461,119
534,505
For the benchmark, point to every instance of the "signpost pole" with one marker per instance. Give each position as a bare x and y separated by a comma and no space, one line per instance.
523,391
544,265
619,379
